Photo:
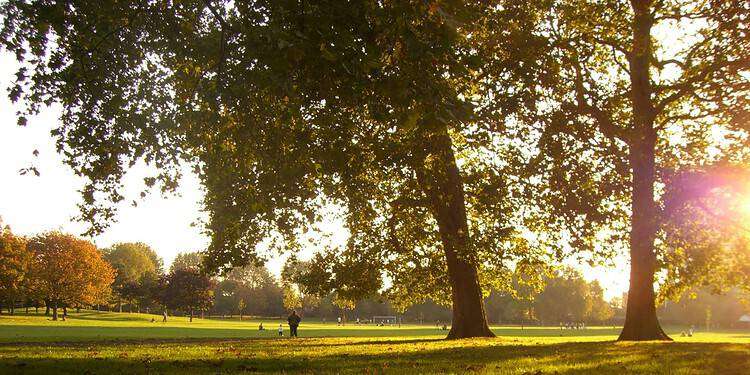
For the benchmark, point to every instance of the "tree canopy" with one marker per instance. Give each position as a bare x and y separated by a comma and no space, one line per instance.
568,298
285,107
188,260
15,261
189,290
641,88
68,270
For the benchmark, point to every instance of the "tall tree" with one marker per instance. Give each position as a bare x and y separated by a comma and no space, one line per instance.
565,298
189,290
15,260
292,106
644,86
68,270
601,310
132,262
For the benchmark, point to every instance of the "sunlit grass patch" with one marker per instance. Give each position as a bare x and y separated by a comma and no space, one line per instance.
84,343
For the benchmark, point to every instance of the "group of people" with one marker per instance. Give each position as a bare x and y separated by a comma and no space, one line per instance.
293,320
689,332
573,325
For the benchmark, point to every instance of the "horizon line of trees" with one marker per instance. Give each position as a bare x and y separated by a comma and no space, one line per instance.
57,270
60,271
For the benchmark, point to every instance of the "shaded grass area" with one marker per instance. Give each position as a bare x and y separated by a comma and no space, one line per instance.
356,355
105,343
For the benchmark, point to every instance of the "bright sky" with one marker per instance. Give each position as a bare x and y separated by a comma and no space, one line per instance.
31,204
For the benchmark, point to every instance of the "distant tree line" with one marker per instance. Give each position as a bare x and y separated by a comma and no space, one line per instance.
704,309
60,271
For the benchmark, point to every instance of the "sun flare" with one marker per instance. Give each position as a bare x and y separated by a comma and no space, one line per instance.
745,208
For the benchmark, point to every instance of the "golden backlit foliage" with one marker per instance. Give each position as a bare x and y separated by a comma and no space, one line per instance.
68,270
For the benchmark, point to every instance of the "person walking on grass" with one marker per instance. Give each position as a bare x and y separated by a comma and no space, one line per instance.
281,330
293,321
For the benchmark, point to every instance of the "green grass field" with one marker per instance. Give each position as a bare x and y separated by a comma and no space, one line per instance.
92,342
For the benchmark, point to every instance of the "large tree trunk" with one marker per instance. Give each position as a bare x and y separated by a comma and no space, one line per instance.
191,315
46,306
641,322
440,180
54,311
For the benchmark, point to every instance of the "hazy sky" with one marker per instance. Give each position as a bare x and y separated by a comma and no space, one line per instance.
31,204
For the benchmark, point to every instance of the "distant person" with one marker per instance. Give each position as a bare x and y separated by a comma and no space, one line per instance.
281,329
153,320
690,331
164,319
260,327
338,321
293,321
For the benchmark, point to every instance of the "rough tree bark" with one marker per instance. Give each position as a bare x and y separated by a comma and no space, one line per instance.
641,322
440,179
54,310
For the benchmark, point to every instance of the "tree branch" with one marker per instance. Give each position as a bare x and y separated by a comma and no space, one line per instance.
606,125
687,85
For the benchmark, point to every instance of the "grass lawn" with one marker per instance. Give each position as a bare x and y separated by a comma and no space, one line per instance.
92,342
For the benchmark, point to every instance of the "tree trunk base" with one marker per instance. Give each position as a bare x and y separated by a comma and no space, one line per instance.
458,332
643,333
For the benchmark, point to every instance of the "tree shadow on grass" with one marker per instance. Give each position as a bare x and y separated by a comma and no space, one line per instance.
555,332
402,357
62,334
374,342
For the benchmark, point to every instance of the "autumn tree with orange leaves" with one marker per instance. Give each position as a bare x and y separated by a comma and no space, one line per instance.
68,270
14,264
